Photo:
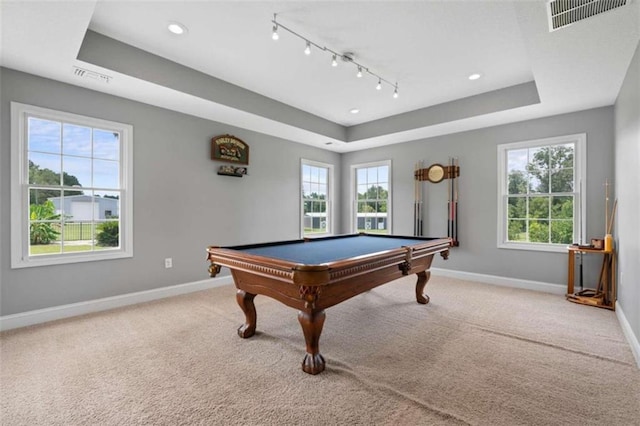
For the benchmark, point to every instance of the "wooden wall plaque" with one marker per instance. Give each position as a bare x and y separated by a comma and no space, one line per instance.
229,148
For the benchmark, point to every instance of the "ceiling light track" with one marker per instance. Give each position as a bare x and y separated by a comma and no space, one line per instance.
346,57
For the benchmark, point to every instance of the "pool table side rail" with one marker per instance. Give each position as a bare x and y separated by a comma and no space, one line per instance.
325,273
375,261
260,265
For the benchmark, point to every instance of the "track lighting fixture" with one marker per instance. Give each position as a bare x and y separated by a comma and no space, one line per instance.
346,57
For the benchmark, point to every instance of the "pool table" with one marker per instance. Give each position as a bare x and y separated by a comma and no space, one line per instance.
314,274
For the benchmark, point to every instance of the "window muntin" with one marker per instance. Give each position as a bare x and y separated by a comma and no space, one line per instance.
316,181
372,200
539,193
69,171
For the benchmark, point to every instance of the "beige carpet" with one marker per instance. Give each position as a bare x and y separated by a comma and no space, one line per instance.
476,354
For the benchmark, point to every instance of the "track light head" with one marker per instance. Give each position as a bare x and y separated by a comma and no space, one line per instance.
334,61
274,34
359,75
307,49
395,92
379,85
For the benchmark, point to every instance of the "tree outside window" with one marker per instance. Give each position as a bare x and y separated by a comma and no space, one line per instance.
541,191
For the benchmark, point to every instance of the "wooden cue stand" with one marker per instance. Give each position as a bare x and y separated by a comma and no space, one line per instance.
605,294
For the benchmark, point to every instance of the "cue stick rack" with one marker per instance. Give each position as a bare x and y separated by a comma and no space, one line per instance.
436,173
604,296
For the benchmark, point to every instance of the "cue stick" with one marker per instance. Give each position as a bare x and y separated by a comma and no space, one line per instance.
415,178
580,237
416,206
452,195
420,202
606,204
415,200
418,209
449,227
581,271
455,184
613,213
608,259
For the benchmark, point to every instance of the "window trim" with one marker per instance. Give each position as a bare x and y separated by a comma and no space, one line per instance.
579,208
20,197
329,201
353,227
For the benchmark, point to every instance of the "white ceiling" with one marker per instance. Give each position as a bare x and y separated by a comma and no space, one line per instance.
428,47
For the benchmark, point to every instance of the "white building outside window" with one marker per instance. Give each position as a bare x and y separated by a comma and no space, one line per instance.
316,182
372,197
71,188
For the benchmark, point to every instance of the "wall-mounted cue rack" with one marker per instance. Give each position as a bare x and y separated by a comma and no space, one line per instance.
436,173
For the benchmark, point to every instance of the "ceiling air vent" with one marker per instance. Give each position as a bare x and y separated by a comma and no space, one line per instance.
91,75
563,13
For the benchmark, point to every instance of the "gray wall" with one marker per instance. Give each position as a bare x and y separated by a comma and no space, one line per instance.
180,204
627,189
477,154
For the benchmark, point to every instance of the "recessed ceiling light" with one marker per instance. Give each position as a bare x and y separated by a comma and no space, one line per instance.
354,110
177,28
475,76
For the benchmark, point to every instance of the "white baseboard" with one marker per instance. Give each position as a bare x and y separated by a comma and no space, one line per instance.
24,319
502,281
39,316
628,333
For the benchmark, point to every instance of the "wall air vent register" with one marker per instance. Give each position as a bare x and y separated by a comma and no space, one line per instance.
563,13
91,75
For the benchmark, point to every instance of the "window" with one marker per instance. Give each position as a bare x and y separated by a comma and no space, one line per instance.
372,198
316,181
71,188
539,193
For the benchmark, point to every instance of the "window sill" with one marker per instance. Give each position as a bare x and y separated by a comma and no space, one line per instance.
552,248
51,260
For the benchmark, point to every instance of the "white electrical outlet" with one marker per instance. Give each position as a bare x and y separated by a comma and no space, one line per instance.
168,263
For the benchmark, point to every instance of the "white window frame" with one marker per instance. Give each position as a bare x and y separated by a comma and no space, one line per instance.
20,257
354,194
579,141
329,199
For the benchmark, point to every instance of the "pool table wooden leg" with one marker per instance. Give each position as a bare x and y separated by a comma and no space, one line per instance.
245,300
312,323
423,278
